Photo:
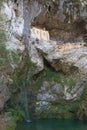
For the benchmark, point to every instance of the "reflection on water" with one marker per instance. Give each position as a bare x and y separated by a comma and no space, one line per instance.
53,124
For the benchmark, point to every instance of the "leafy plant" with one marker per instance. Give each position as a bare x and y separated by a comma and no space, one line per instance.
16,114
76,1
4,56
84,96
50,75
15,56
62,110
23,75
11,125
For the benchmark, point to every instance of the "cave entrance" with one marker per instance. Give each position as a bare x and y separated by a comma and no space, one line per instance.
48,65
80,28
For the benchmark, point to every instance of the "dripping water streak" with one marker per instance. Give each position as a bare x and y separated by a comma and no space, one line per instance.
27,117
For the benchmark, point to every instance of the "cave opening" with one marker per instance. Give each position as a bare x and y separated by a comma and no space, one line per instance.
80,27
48,65
15,1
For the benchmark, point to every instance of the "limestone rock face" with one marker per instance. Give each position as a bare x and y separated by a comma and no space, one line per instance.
36,58
5,83
51,93
67,61
5,120
71,24
74,59
13,24
67,19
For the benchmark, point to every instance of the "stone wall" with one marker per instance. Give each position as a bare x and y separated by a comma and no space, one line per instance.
68,46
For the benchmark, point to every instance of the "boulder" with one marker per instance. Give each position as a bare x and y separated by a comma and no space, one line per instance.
68,61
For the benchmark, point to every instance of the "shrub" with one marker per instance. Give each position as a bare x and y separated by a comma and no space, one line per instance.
11,125
62,110
84,96
16,114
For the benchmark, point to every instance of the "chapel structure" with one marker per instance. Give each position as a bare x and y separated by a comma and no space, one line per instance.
40,34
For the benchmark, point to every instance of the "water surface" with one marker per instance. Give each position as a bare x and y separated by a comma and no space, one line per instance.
52,124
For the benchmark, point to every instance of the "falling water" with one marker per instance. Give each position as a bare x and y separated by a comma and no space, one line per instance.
27,117
28,15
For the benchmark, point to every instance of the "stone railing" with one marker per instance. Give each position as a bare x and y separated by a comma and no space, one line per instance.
68,46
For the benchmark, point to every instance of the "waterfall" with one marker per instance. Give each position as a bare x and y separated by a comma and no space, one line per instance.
27,117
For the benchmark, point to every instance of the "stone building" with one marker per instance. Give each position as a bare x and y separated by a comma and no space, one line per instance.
41,34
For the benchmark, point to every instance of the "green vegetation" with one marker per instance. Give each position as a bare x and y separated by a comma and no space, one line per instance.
84,96
15,115
1,1
2,34
3,51
4,55
62,110
22,79
7,58
76,1
23,75
11,125
50,75
15,57
3,37
85,44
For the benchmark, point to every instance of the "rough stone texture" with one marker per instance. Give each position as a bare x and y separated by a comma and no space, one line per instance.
13,24
72,24
68,61
50,93
67,19
67,22
39,34
5,120
74,59
36,58
5,83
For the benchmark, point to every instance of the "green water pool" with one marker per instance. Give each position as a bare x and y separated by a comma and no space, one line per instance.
52,124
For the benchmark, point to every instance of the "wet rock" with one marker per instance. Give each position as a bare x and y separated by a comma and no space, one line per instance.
41,106
5,121
51,93
5,94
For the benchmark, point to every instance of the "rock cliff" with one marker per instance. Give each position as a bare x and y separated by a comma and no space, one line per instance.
63,53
